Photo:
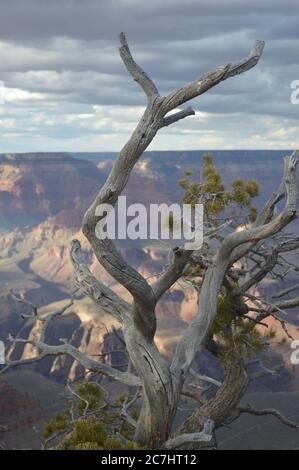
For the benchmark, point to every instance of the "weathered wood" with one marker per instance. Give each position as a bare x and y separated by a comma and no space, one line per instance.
161,389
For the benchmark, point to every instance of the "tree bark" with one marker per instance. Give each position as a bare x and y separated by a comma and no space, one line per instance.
160,394
224,402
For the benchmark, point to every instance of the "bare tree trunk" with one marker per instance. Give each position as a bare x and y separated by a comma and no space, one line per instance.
159,393
224,402
161,385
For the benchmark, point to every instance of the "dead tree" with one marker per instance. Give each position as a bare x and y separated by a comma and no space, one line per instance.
162,382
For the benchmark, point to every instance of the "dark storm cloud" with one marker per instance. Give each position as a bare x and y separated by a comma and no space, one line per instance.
66,51
94,19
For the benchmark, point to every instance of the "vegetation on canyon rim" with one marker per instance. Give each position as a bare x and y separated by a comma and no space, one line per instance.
241,248
89,423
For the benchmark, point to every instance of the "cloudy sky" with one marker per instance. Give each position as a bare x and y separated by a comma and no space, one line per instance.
65,87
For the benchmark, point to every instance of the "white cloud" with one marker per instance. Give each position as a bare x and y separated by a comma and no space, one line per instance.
16,94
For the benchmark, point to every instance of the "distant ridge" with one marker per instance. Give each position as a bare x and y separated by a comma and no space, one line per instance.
38,157
191,155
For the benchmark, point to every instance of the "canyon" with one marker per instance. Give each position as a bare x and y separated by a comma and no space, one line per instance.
43,197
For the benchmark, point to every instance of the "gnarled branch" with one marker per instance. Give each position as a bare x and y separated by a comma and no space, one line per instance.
212,78
177,116
138,74
284,292
152,120
102,296
44,350
268,412
204,436
87,362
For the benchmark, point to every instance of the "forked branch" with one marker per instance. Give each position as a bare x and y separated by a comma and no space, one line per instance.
138,74
268,412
